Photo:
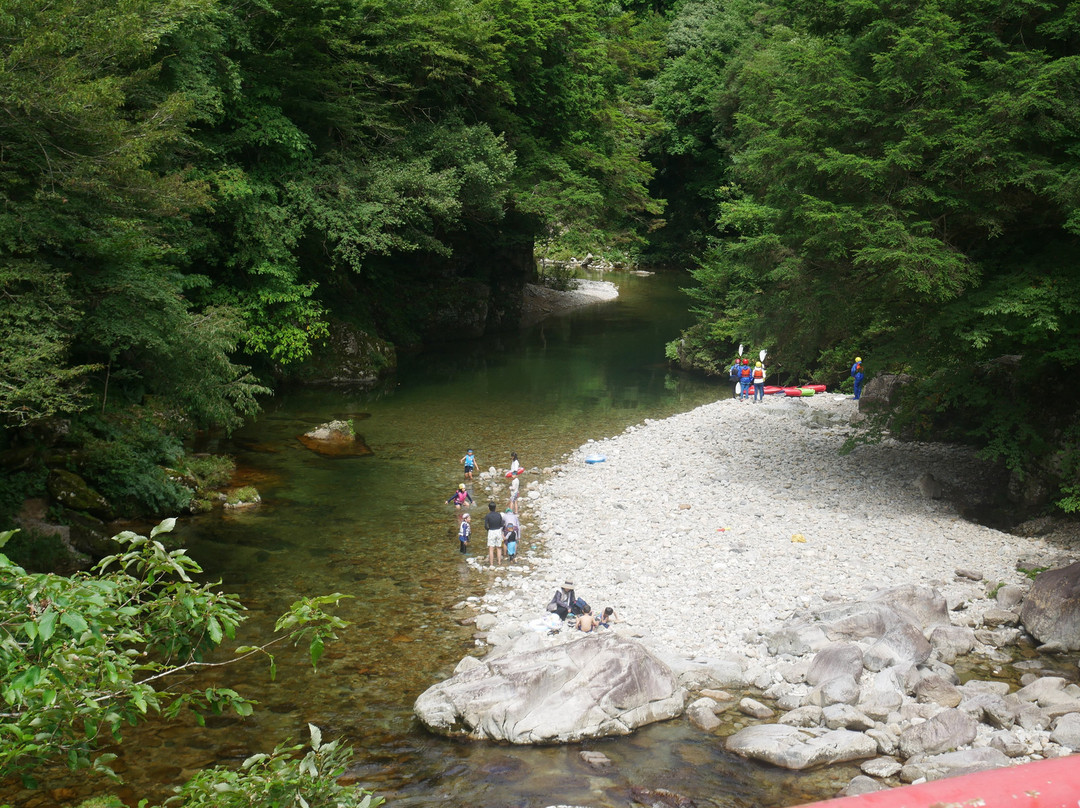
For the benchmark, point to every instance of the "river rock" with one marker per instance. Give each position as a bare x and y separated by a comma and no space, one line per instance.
74,493
947,730
991,709
809,715
1067,731
902,645
924,602
794,748
335,439
952,764
1007,743
861,784
704,673
796,639
755,709
834,660
881,391
1000,617
841,690
844,716
939,690
1010,596
702,714
951,642
884,766
1051,611
592,687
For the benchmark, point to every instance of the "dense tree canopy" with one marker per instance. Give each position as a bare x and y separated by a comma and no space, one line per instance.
901,184
193,190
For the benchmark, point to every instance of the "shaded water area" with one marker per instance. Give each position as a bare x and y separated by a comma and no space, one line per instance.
376,528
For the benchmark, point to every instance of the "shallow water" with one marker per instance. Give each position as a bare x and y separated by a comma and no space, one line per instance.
376,528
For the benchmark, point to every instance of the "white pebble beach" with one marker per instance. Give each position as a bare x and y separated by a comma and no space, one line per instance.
706,527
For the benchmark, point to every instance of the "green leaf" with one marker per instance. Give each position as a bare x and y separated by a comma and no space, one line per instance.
46,624
74,621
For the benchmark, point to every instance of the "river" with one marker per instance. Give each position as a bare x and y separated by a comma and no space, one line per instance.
375,528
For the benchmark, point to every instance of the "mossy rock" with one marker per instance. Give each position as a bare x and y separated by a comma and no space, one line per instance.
336,439
72,492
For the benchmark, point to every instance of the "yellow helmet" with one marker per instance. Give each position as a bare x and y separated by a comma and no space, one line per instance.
757,364
858,358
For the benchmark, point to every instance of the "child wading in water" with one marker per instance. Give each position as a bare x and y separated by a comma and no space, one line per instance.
464,532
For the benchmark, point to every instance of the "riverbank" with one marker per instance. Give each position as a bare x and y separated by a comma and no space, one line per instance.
705,529
540,301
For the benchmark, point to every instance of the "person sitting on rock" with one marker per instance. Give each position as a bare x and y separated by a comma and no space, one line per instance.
562,600
585,621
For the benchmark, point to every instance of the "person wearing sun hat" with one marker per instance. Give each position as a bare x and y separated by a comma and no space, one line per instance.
563,599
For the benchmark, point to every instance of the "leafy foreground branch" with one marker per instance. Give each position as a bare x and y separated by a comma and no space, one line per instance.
82,655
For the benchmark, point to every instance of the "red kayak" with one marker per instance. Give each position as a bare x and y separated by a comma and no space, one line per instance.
792,391
770,390
817,388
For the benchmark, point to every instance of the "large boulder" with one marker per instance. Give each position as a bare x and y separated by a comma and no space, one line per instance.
592,687
794,748
75,494
336,439
1051,611
881,392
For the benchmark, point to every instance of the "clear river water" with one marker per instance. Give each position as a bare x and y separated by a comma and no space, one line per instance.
376,528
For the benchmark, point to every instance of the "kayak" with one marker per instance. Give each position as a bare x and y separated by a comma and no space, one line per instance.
595,459
807,391
770,390
793,391
817,388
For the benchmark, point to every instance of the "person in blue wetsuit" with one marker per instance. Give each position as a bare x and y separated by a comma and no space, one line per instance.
857,375
733,374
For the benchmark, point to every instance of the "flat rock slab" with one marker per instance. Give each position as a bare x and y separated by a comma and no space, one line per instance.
794,748
597,686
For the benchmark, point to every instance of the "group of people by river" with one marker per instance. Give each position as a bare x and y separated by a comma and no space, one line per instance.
503,529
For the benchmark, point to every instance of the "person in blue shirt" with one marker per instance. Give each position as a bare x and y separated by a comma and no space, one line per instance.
858,376
469,463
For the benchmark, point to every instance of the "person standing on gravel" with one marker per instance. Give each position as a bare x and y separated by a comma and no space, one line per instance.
857,375
746,380
494,524
759,382
515,487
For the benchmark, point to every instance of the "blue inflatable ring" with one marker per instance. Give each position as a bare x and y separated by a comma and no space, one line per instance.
595,459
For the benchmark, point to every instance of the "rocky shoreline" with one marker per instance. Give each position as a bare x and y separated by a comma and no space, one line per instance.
812,604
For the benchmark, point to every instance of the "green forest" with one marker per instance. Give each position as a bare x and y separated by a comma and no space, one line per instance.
201,201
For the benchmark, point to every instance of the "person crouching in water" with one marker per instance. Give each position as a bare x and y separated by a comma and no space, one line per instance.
510,540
